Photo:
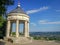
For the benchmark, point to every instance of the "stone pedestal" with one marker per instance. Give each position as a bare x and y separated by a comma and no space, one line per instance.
19,40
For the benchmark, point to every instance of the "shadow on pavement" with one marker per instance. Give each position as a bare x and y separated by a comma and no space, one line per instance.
57,41
2,43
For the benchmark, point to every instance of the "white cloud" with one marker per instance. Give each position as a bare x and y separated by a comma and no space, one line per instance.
48,22
37,10
57,10
33,24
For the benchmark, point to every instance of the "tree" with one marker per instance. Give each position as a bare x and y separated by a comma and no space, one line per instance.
4,4
3,9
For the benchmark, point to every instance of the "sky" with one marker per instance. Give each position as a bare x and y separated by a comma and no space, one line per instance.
44,14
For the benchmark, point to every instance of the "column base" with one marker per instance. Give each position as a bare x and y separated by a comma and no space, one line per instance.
19,40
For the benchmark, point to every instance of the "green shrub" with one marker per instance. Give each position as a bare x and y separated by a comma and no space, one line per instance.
13,33
46,38
36,38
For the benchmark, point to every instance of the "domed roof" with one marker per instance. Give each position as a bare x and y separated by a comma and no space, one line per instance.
18,10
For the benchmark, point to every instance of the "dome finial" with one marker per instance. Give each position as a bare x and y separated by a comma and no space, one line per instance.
18,3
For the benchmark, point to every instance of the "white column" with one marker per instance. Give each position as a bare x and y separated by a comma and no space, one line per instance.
26,29
11,29
17,28
8,29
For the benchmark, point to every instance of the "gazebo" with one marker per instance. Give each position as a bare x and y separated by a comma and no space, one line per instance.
18,16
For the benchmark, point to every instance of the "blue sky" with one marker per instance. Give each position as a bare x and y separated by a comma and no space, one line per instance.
44,14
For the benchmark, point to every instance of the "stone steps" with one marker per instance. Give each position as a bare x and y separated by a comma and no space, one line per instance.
21,40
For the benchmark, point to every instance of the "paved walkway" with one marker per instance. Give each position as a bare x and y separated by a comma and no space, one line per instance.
36,42
2,43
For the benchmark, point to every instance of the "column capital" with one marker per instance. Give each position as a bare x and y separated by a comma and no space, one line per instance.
27,21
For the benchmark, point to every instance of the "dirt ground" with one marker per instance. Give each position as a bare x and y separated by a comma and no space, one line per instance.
36,42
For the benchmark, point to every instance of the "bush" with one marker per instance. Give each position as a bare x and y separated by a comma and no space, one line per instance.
46,38
36,38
